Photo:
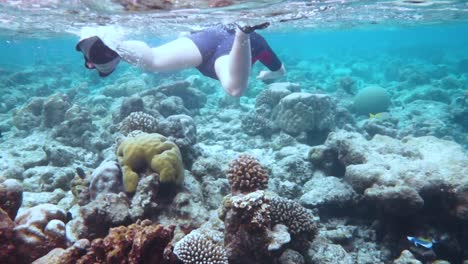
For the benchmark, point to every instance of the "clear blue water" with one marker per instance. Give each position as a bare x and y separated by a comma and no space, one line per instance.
416,42
416,50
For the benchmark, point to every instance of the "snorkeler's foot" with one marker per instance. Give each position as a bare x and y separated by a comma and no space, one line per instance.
249,29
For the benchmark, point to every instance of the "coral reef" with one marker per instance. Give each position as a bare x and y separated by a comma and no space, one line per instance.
254,124
290,256
76,129
374,180
180,129
149,151
197,247
192,98
29,116
371,100
245,174
138,121
106,211
144,200
69,255
11,197
375,168
142,242
129,105
48,178
298,219
271,96
80,189
246,219
38,230
8,250
305,112
327,193
54,109
106,178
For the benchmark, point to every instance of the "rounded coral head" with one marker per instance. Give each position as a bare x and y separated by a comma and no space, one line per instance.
245,174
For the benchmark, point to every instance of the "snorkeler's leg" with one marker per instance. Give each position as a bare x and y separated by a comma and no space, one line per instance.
179,54
233,69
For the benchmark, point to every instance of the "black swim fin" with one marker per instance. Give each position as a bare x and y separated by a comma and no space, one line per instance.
250,29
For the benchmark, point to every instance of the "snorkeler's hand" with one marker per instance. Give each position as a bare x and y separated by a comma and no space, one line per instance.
271,75
265,75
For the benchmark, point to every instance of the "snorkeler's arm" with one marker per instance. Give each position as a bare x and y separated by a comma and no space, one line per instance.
137,53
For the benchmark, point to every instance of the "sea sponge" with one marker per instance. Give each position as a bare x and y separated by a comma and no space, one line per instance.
149,151
199,248
371,100
298,219
245,174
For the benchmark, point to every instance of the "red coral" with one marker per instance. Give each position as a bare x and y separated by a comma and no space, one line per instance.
7,247
142,242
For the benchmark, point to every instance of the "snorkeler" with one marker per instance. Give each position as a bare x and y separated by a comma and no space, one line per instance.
224,52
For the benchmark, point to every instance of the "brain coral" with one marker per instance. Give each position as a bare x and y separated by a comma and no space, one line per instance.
197,248
149,151
372,99
245,174
305,112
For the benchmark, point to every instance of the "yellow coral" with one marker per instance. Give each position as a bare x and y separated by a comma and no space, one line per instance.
150,151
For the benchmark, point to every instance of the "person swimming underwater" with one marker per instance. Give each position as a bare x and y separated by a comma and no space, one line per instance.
223,52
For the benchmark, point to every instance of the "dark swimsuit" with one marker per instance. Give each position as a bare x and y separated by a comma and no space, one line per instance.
217,41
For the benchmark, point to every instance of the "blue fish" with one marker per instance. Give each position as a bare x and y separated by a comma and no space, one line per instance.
421,242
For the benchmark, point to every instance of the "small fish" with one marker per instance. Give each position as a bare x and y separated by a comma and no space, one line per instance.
80,173
1,134
421,242
380,115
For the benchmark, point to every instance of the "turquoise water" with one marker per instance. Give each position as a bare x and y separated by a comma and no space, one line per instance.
314,58
429,44
415,41
365,137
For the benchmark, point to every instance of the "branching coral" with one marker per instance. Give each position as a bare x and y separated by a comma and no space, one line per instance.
198,248
252,209
298,219
245,174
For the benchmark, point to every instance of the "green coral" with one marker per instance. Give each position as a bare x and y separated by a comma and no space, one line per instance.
150,151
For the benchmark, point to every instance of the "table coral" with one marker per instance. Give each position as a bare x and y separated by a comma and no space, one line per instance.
149,151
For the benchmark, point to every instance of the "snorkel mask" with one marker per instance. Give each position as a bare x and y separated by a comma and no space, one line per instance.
97,55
